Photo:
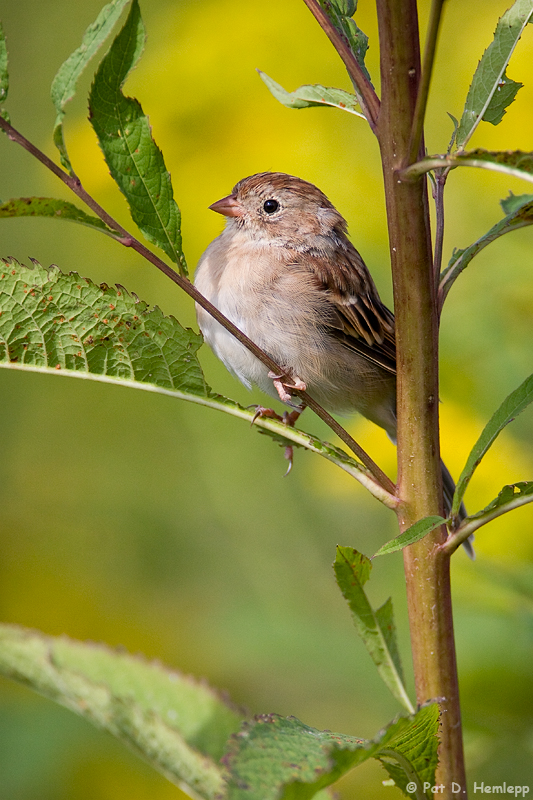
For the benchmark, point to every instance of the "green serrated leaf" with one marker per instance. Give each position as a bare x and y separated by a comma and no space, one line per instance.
358,42
490,71
312,95
65,325
512,496
516,202
281,758
133,158
180,726
414,756
50,320
376,628
4,73
502,98
345,7
64,84
516,402
53,208
340,13
411,535
519,211
385,618
511,162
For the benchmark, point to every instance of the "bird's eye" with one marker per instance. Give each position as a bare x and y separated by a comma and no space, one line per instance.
270,206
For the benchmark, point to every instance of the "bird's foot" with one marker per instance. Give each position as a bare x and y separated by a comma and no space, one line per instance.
289,419
267,413
282,386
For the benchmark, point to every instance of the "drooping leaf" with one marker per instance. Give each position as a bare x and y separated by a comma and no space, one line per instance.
133,158
276,758
376,628
490,73
179,725
516,402
511,162
312,95
53,208
519,211
66,325
50,320
64,84
411,535
414,756
4,73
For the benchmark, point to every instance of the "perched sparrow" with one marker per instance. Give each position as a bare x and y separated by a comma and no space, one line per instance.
284,271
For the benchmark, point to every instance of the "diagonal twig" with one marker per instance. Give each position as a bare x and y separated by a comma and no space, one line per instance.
125,238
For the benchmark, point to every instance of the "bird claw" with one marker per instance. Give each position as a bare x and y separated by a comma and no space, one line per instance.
282,386
289,419
269,413
288,454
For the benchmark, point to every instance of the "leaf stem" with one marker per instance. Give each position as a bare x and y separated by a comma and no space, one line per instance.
369,100
126,238
425,80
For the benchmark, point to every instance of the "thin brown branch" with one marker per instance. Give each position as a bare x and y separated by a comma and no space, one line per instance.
417,128
126,238
369,100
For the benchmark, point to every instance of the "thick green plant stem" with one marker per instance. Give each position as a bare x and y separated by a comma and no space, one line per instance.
426,571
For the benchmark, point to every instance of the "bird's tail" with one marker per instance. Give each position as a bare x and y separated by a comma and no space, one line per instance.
448,489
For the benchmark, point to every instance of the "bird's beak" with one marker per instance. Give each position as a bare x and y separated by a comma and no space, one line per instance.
229,206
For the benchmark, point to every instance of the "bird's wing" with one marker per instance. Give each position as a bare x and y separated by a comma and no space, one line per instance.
360,320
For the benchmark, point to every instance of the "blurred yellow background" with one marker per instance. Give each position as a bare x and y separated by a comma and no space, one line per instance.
169,529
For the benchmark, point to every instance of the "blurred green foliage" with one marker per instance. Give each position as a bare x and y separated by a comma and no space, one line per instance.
170,529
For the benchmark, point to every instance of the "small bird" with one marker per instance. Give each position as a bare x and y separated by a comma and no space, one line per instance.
285,273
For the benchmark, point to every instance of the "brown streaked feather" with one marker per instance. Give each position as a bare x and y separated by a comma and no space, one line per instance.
362,322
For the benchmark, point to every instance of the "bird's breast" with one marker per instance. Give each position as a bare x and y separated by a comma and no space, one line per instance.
232,276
